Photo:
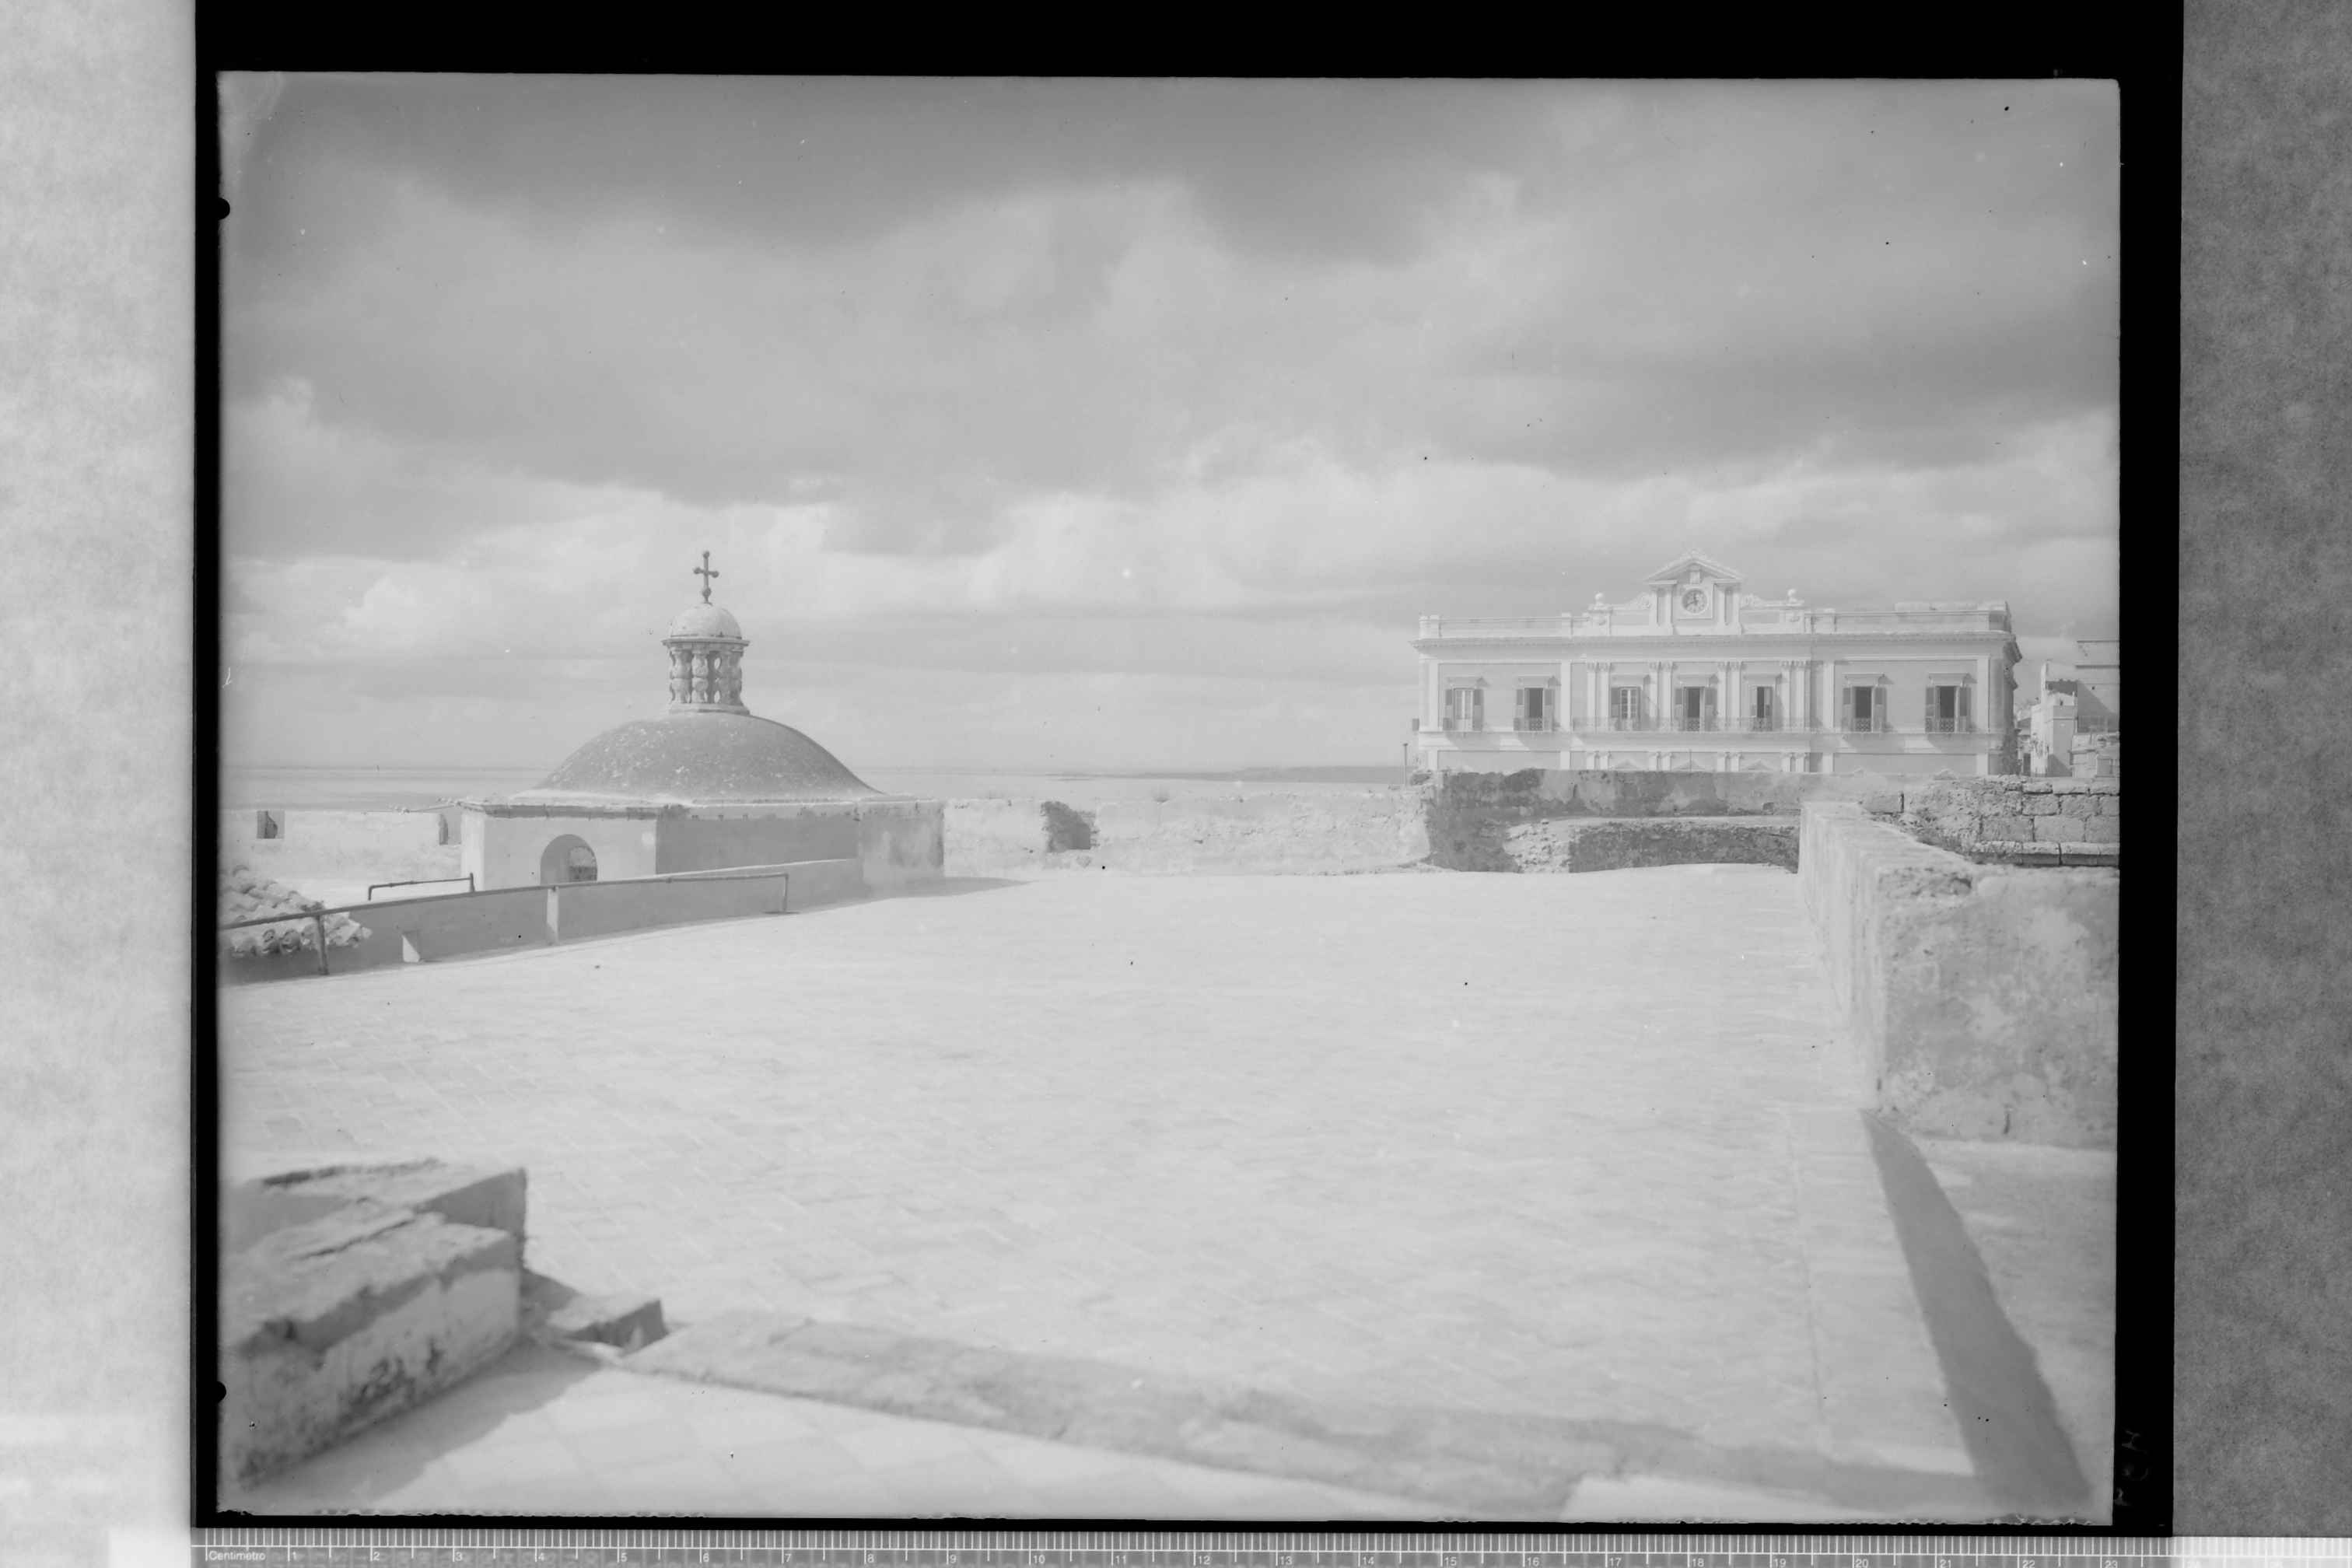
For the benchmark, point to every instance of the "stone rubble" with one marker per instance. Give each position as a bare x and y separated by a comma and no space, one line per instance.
244,894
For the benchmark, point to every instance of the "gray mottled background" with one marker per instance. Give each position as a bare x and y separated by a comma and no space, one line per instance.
96,621
2262,1262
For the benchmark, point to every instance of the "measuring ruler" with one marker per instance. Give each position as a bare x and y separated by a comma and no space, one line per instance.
491,1548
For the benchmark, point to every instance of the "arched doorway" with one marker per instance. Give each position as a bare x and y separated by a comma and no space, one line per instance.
567,859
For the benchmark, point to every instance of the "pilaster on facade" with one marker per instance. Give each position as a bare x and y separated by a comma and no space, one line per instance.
1776,679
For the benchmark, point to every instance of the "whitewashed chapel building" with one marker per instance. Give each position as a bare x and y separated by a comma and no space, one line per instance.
707,786
1693,673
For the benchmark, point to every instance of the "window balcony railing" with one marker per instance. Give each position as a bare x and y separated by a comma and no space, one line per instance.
1744,724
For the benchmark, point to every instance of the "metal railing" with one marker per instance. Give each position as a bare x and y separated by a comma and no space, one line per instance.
421,882
1749,724
318,918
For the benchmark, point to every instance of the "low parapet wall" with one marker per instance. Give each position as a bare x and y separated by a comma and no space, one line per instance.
1619,844
1377,830
1531,821
604,908
460,925
813,883
1541,820
1980,1000
1307,834
1626,792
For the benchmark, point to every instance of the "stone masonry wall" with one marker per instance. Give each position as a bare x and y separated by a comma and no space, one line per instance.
1488,821
1980,1000
2048,821
1616,844
1317,834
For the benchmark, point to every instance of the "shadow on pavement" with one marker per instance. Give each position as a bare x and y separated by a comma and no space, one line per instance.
1496,1464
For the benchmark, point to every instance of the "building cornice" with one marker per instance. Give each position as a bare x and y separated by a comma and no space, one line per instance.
1697,646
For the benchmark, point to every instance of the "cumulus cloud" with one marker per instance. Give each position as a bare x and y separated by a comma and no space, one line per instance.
940,371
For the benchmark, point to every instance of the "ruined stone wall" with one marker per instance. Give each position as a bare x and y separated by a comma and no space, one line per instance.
1980,1000
1492,822
1305,834
1528,821
1617,844
2063,821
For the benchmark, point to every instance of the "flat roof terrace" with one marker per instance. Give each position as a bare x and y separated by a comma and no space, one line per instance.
1577,1148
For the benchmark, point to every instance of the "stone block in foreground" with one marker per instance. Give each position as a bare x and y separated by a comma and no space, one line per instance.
480,1195
329,1325
554,1310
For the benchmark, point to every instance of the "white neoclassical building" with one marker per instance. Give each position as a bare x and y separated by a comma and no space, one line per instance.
1693,673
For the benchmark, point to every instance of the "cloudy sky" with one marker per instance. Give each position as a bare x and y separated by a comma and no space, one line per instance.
1119,425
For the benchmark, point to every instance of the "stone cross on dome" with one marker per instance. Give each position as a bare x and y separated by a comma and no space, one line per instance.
706,655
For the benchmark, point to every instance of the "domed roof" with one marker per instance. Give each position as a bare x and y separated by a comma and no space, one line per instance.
702,757
705,621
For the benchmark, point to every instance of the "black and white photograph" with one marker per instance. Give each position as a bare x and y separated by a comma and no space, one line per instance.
1168,799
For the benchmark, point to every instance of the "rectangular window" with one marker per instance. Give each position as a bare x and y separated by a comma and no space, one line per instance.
1624,707
1465,708
1862,708
1535,707
1760,713
1693,708
1947,710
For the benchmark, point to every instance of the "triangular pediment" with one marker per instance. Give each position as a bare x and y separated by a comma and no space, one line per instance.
1680,568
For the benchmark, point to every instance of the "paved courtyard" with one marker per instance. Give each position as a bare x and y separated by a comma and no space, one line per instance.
1567,1147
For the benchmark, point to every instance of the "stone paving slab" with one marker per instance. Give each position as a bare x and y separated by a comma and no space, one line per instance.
1470,1464
1561,1148
543,1432
2043,1222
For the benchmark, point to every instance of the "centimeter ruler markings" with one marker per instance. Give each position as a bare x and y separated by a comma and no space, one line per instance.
485,1548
